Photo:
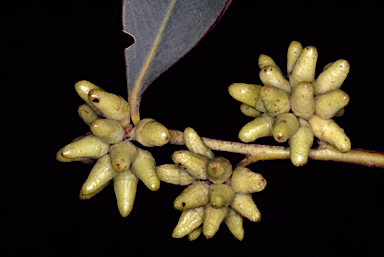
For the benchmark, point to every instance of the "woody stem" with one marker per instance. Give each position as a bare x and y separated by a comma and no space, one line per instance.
257,152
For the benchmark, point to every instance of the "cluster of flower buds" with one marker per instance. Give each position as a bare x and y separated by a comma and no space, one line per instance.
108,116
215,193
312,102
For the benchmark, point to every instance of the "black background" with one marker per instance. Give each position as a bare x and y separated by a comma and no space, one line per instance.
321,209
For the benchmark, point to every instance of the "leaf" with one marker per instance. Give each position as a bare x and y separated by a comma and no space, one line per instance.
164,31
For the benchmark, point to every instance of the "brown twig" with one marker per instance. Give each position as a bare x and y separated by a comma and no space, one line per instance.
256,152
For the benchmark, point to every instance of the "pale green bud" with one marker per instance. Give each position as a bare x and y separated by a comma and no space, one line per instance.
90,146
125,185
259,127
294,51
122,155
213,217
305,67
144,167
112,106
149,132
108,130
195,195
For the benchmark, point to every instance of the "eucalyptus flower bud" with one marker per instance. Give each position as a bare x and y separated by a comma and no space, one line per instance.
329,131
220,195
144,167
188,222
272,76
194,143
219,170
195,234
122,155
108,130
249,111
294,51
259,127
90,146
125,185
305,67
275,100
245,93
234,222
326,67
112,106
284,127
101,173
60,158
82,196
332,77
340,113
82,88
246,181
195,195
328,104
303,101
149,133
87,114
174,174
85,160
244,205
300,144
194,164
265,60
213,217
260,105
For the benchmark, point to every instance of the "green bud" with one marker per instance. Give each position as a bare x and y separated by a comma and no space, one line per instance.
300,144
328,104
108,130
194,143
219,170
259,127
276,101
188,222
305,67
245,93
234,222
195,195
213,217
90,146
303,101
329,131
246,181
244,205
122,154
194,164
86,114
195,234
82,88
144,167
294,51
112,106
220,195
249,111
271,76
149,132
125,185
174,174
284,127
265,60
101,174
332,77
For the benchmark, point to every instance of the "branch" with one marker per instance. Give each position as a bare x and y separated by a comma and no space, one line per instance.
256,152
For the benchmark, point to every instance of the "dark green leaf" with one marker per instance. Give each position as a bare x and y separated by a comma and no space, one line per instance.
164,31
